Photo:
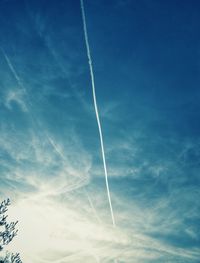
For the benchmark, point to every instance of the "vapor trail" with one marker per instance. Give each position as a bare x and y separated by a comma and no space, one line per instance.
93,208
96,108
12,69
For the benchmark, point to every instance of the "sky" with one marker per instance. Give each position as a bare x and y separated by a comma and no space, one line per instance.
146,63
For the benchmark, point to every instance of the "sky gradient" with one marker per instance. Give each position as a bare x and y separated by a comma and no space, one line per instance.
146,60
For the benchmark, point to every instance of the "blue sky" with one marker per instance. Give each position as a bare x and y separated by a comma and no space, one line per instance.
146,60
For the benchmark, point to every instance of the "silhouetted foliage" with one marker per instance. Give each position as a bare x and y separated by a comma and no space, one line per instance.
7,234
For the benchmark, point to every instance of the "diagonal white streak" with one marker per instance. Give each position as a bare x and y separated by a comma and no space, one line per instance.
12,69
96,108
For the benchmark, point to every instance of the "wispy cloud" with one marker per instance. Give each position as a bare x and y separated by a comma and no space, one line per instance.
15,96
71,233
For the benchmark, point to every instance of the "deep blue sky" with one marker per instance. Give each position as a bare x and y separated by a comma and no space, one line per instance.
146,59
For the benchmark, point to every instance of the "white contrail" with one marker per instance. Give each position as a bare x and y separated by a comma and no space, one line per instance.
96,108
93,208
12,69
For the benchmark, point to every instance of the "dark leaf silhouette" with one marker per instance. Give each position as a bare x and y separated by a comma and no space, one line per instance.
7,233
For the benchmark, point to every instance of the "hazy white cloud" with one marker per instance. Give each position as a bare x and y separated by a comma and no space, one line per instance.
42,164
15,96
67,229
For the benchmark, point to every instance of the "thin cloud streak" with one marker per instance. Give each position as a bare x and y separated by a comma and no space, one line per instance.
96,110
